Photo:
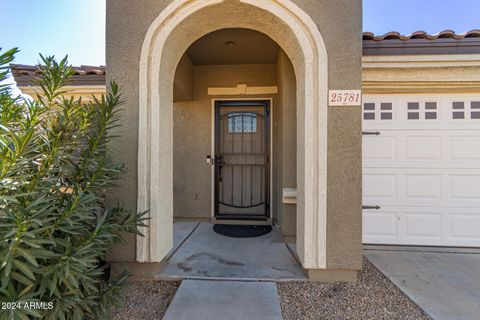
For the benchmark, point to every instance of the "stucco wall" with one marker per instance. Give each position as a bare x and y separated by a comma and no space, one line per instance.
339,23
126,25
421,73
278,143
286,143
183,82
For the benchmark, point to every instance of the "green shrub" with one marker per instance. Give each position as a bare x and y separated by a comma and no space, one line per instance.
55,226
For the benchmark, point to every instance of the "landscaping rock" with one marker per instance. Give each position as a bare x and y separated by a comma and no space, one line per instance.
143,299
373,296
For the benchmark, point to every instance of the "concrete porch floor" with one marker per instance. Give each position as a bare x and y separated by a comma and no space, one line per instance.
200,253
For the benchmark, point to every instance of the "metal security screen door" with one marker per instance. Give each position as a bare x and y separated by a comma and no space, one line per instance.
242,160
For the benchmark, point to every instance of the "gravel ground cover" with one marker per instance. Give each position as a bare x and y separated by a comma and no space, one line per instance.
373,296
145,300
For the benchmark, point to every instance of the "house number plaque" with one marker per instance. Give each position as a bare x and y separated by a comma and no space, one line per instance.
344,97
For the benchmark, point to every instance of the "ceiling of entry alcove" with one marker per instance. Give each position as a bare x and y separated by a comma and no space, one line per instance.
233,46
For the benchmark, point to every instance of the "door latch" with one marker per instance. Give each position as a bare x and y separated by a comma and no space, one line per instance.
210,160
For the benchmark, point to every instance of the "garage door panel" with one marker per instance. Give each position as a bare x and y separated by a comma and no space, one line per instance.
380,225
422,148
380,186
423,225
380,148
423,170
413,225
464,226
464,148
423,186
464,187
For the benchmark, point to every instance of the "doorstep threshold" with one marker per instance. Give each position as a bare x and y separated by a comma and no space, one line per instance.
267,222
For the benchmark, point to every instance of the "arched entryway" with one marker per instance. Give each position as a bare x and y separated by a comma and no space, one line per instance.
169,36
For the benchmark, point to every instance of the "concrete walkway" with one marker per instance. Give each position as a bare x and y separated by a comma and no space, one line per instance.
446,285
229,300
200,253
227,278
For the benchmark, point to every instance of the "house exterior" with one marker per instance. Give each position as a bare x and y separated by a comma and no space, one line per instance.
230,117
168,57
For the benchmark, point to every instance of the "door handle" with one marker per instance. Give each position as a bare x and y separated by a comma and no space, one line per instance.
219,162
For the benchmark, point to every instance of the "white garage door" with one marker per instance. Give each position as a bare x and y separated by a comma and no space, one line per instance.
423,169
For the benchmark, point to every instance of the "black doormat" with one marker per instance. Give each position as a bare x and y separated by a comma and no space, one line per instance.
241,231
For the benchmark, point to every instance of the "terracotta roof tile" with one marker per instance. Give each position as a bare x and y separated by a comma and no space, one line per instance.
85,75
445,34
22,69
420,42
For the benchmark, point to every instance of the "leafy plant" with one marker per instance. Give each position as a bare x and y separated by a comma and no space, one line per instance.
55,227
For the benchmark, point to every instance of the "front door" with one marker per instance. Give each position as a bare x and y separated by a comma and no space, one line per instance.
242,160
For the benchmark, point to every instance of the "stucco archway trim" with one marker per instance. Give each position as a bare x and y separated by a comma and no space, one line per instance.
155,153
